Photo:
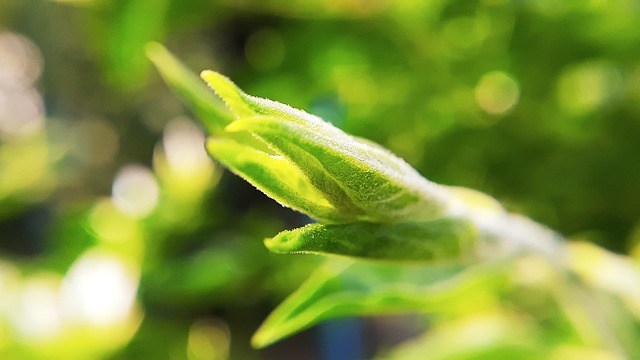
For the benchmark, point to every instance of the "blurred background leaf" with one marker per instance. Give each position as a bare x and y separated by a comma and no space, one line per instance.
103,180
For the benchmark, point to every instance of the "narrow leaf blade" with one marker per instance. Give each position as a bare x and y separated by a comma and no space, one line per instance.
439,240
190,89
341,289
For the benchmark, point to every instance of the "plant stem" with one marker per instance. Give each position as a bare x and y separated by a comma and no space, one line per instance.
505,234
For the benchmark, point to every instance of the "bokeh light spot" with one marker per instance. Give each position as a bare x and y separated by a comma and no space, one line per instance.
21,112
9,285
98,290
20,61
183,144
21,106
135,191
497,92
111,225
585,87
209,340
37,315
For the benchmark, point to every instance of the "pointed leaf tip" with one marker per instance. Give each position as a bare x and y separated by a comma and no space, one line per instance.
443,240
152,48
233,96
345,288
189,88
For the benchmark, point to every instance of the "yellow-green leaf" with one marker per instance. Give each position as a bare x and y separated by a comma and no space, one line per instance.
437,240
273,175
202,101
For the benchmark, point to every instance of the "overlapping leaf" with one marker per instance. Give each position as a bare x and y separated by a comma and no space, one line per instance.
275,176
364,182
370,204
205,104
437,240
380,207
343,288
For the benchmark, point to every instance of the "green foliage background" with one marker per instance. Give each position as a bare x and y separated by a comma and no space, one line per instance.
534,102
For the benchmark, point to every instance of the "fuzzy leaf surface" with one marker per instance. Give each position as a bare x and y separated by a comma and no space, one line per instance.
275,176
362,181
437,240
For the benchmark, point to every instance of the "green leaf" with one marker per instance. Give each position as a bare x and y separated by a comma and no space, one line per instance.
273,175
341,289
309,165
437,240
243,105
365,182
202,101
